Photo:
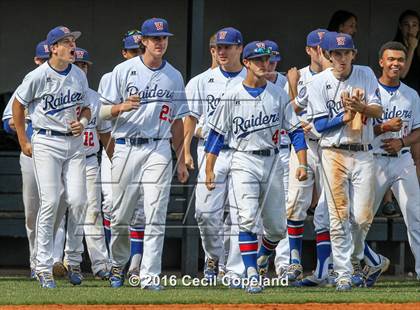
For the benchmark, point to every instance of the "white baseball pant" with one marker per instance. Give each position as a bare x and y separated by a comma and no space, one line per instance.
59,161
149,166
349,184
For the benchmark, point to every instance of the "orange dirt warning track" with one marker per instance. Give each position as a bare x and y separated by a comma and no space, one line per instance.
309,306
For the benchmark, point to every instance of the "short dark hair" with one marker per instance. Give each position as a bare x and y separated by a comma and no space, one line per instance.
392,45
338,18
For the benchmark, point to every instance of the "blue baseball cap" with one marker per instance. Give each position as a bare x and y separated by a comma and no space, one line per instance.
155,27
256,49
326,38
132,42
42,51
340,41
82,55
59,33
275,53
229,36
314,37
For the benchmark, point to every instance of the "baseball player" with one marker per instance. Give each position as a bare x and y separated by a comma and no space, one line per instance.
96,130
301,193
398,129
29,187
132,47
282,251
53,93
210,204
150,114
343,102
250,116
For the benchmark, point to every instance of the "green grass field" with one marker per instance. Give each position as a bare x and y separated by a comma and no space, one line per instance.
19,290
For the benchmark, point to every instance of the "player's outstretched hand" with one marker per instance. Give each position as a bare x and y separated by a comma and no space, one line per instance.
301,174
189,161
348,116
76,128
132,103
394,124
210,177
293,75
392,146
182,173
27,149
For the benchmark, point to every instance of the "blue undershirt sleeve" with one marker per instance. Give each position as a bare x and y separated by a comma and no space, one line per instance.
323,123
297,137
214,142
7,127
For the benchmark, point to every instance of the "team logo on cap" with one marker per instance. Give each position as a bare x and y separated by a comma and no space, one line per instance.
159,26
65,29
341,41
260,44
79,54
46,49
222,35
320,34
137,38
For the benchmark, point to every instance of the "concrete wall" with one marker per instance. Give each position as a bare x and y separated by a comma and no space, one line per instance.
23,23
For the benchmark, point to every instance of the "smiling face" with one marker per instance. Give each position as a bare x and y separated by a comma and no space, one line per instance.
342,60
155,46
392,62
409,27
64,49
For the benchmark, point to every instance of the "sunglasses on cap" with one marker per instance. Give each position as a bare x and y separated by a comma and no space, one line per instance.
132,32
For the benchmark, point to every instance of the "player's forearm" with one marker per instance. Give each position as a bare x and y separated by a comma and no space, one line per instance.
190,123
19,121
373,111
210,162
108,143
412,138
302,158
177,130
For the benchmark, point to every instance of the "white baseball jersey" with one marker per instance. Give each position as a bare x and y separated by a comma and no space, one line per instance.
162,99
208,94
281,82
325,100
95,126
254,123
403,103
103,82
302,98
53,100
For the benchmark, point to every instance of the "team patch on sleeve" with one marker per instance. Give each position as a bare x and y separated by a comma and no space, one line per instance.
302,92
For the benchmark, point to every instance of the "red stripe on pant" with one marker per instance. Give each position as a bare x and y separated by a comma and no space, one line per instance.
137,234
248,247
324,236
295,231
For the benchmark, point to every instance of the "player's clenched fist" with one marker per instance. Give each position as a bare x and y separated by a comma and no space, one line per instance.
302,173
189,161
394,124
182,173
27,149
210,177
132,103
76,128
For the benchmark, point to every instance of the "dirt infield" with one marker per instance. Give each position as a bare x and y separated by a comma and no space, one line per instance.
309,306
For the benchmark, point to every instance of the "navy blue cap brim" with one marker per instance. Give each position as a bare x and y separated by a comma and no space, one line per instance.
258,56
157,34
42,56
85,61
312,45
132,47
75,34
341,48
227,43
